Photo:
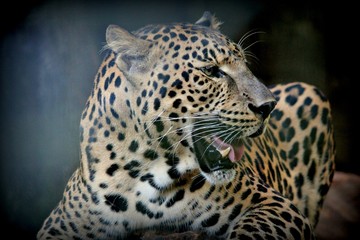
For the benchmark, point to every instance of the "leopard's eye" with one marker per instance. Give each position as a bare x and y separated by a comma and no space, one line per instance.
213,71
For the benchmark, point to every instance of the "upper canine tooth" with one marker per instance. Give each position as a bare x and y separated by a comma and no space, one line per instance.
225,152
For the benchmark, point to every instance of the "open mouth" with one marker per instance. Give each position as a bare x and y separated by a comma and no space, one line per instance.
213,153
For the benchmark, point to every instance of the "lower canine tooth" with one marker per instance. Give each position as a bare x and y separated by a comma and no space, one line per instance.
225,152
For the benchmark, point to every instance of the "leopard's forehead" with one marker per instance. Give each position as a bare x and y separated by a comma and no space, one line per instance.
191,35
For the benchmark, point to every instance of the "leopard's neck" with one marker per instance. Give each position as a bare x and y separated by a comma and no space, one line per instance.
122,144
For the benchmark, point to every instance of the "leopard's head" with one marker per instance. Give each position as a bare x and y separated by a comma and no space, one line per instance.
193,89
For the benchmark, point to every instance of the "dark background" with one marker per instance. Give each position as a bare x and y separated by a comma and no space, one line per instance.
50,53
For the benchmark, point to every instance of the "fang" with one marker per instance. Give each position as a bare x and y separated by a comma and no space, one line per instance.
225,152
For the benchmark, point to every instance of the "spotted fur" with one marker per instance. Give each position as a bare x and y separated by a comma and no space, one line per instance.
179,135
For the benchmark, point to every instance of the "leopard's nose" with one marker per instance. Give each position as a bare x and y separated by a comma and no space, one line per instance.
264,109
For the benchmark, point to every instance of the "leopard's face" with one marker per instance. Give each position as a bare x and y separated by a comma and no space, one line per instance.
196,82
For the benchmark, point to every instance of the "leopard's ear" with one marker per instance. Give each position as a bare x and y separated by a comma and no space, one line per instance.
134,55
209,20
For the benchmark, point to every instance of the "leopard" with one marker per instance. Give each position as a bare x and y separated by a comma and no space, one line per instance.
178,135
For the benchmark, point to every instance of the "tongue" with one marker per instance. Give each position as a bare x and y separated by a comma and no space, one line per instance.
236,151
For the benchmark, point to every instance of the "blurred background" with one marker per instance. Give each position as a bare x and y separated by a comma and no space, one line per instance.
50,53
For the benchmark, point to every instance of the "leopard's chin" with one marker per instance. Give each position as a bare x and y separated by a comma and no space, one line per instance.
220,177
